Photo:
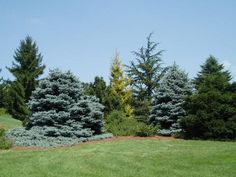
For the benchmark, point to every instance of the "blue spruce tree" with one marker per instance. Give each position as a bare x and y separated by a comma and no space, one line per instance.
168,100
60,113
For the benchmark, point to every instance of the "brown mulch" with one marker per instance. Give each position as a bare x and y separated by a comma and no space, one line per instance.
113,139
128,138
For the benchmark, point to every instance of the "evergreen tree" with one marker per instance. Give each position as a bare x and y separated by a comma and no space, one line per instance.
141,109
27,66
145,74
211,111
168,101
59,101
120,89
212,75
99,89
14,100
60,113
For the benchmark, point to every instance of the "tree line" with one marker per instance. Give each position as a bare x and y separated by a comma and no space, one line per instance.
143,93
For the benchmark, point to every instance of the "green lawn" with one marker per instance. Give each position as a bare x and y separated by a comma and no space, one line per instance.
134,158
7,122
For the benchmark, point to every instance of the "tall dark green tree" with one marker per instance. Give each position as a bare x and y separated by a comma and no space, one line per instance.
27,66
14,100
99,89
211,111
26,69
145,72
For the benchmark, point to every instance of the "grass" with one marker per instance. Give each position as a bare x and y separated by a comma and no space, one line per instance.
7,122
133,158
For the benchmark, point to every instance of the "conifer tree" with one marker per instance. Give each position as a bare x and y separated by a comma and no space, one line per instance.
14,100
119,88
145,74
211,111
168,101
99,89
60,101
27,66
60,113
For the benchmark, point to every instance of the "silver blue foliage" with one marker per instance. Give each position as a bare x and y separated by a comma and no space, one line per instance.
60,114
168,100
36,137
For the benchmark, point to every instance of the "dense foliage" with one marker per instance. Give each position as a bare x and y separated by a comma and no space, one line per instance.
211,111
14,100
4,143
120,90
27,66
145,73
61,110
26,69
141,109
103,92
168,101
36,137
118,124
60,113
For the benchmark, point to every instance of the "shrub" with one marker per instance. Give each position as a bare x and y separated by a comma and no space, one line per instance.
3,111
36,137
4,143
145,130
119,125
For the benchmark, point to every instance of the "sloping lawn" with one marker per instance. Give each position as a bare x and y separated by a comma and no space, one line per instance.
7,122
126,158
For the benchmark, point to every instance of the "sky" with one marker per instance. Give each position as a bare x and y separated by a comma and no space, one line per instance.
83,35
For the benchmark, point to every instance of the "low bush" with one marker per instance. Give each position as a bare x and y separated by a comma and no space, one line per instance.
145,130
119,125
36,137
4,143
3,111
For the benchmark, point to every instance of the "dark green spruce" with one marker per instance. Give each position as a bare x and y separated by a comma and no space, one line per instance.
211,111
26,68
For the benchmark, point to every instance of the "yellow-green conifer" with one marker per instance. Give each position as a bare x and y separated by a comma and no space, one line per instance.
120,89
